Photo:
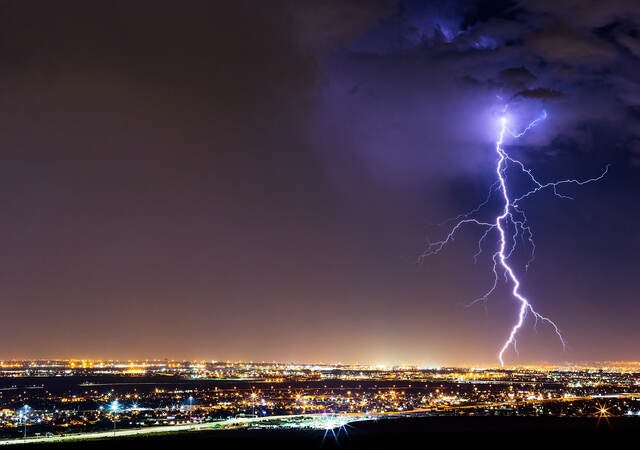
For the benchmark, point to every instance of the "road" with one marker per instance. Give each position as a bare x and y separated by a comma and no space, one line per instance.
314,420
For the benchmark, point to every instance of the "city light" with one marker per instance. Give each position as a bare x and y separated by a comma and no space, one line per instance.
306,396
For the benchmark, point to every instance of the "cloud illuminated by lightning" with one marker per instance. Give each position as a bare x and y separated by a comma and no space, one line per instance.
510,223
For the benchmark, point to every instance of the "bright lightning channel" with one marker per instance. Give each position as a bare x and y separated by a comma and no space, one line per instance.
511,222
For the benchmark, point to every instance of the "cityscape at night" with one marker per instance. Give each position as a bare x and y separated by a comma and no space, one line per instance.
318,223
66,400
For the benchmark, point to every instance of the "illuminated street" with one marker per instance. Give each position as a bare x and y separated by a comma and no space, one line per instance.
321,422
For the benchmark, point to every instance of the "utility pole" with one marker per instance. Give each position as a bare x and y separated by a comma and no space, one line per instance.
114,411
25,410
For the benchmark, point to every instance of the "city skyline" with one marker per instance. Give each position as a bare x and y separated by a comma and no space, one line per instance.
134,367
257,181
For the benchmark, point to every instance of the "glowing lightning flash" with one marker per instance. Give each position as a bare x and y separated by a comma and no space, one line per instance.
512,221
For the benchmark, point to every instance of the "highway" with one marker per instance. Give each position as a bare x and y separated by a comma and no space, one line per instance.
319,421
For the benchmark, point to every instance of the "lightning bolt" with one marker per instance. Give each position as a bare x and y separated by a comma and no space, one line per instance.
510,223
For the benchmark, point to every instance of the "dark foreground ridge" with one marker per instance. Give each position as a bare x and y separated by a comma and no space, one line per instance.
385,433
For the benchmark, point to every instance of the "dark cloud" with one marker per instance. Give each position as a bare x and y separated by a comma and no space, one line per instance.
566,47
516,79
525,51
518,76
635,154
631,43
540,93
584,14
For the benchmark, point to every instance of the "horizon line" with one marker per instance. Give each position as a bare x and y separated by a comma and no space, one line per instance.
373,365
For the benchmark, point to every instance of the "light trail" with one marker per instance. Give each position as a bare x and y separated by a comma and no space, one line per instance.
330,423
509,223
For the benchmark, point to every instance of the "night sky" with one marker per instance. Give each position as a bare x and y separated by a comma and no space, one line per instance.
256,180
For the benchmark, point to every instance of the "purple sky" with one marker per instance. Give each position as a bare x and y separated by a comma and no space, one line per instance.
256,180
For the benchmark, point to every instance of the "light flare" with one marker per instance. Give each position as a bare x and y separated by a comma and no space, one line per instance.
333,425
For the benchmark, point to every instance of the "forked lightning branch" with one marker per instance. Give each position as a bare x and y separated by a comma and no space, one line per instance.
510,228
